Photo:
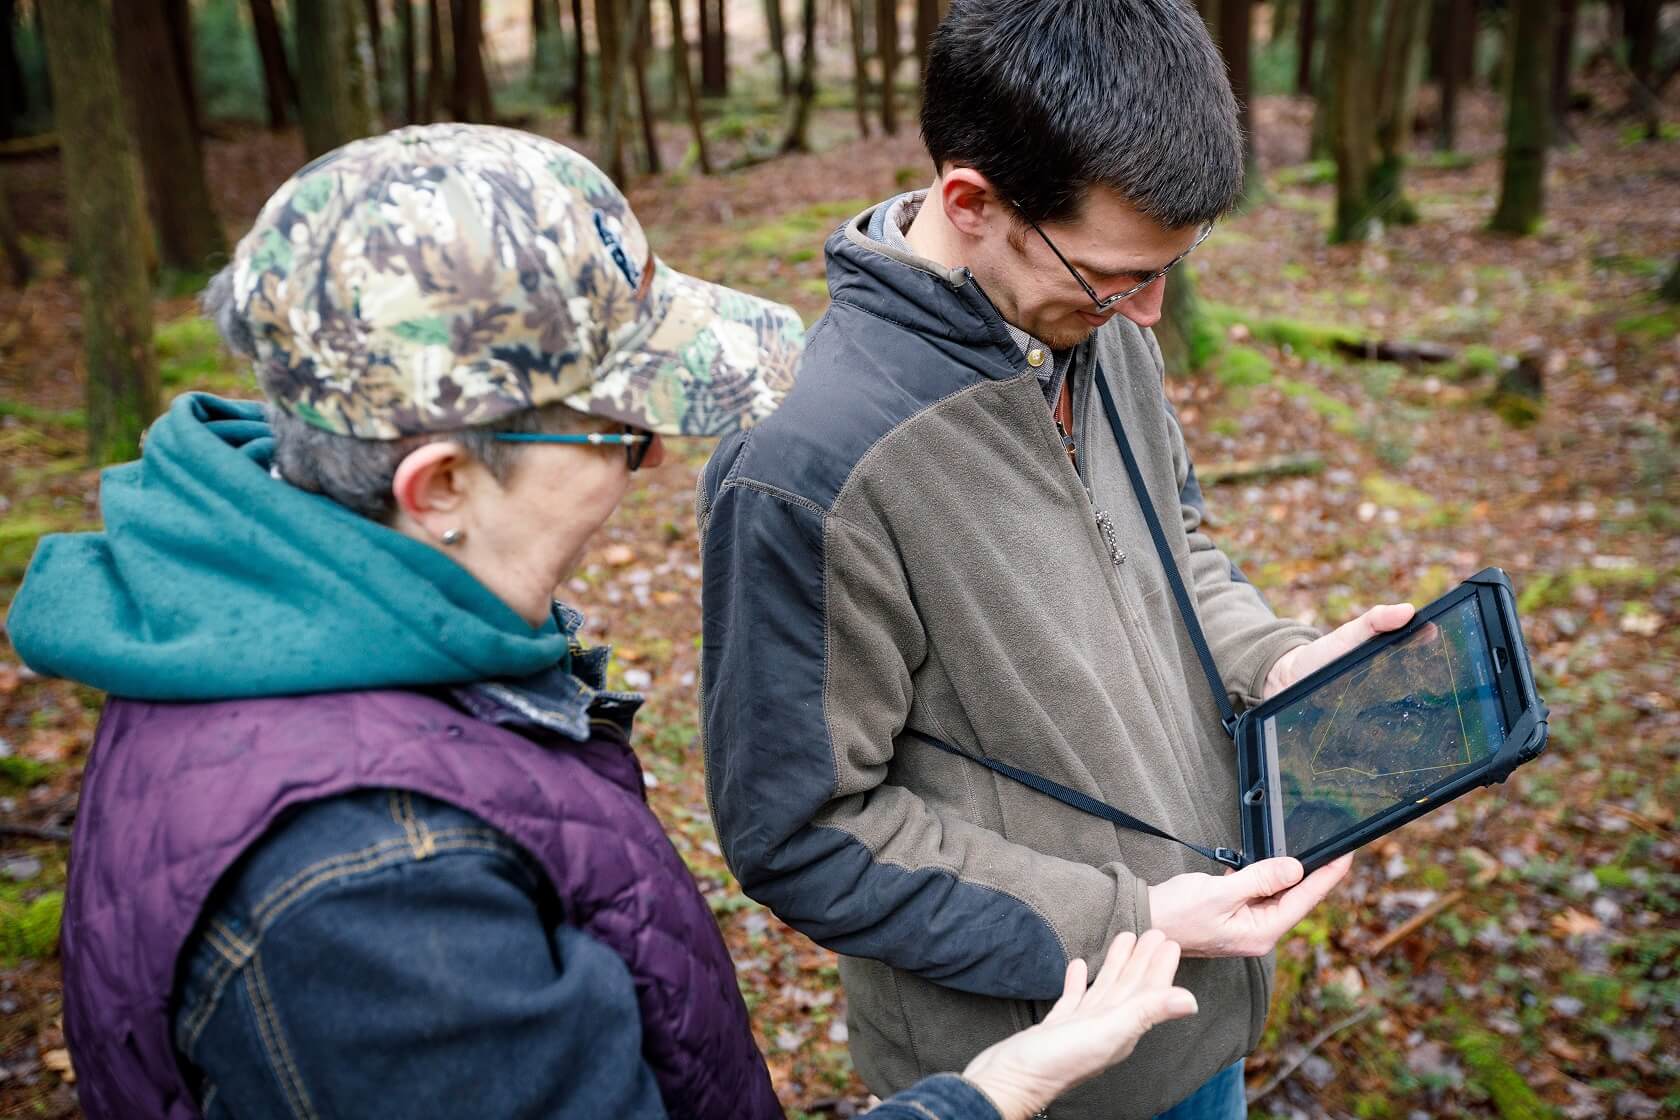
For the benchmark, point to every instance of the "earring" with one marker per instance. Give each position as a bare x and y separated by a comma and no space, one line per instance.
453,537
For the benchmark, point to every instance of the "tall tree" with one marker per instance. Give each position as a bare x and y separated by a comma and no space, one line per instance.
410,62
178,198
714,48
685,80
927,22
1522,189
1640,28
860,65
642,46
798,138
14,96
178,17
278,91
373,26
1563,62
1457,42
18,266
886,45
1398,74
437,73
580,66
107,226
469,96
777,28
1236,42
332,102
1306,37
610,29
1352,133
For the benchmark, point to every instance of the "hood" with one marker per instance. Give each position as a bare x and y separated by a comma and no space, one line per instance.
214,580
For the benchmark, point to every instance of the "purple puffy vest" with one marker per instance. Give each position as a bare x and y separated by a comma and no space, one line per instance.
174,793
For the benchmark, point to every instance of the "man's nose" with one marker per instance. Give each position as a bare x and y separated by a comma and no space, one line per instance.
1144,309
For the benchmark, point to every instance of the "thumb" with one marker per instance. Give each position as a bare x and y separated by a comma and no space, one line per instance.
1265,878
1390,616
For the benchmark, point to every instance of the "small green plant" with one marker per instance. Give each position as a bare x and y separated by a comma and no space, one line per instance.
30,929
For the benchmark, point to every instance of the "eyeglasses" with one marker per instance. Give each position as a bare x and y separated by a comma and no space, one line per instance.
635,443
1101,303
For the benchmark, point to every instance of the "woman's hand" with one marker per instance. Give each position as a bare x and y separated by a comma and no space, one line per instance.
1087,1030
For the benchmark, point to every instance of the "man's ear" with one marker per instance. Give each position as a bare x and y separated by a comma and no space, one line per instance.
431,485
971,205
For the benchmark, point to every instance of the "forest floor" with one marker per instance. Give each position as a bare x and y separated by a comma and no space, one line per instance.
1537,968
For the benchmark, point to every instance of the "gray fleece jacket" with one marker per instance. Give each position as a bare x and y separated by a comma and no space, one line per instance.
905,545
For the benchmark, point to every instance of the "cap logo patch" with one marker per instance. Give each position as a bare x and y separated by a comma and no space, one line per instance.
615,247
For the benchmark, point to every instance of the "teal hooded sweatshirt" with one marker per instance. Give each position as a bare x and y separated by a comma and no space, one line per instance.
215,580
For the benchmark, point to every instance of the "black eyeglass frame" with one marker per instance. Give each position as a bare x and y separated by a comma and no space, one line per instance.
1099,302
635,443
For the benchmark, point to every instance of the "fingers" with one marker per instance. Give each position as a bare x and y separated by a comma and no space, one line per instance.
1390,616
1264,878
1073,990
1121,952
1300,899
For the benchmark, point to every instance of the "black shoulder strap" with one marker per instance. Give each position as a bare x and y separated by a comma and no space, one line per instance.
1186,611
1083,802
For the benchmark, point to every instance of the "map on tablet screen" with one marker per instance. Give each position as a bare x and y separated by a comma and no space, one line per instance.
1399,724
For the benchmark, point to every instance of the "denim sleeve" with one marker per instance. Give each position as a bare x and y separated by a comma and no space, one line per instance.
381,954
944,1096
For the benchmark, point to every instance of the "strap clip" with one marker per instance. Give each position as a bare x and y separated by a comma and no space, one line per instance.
1231,858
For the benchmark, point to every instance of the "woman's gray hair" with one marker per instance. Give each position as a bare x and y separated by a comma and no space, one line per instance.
358,473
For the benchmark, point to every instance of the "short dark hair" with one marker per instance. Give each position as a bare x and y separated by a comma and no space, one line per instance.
1047,98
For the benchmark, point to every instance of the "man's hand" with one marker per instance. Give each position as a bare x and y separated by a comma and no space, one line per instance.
1088,1030
1303,661
1242,914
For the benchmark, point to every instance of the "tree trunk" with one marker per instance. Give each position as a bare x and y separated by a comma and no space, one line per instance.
642,46
1396,98
1236,35
1182,332
278,91
927,22
178,19
437,75
580,69
1352,133
178,198
886,45
714,48
107,227
798,137
1563,62
685,81
778,44
860,66
1640,28
610,29
332,110
1306,37
14,96
469,97
1671,287
410,60
1457,43
374,27
1522,190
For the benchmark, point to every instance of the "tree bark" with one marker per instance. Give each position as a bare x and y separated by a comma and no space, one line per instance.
469,98
778,44
1522,191
374,27
1457,42
610,30
178,17
410,59
1640,28
1236,35
798,137
685,81
927,22
1181,323
641,46
14,96
1306,37
331,107
107,227
860,66
279,93
714,48
18,266
886,45
1397,82
437,74
1352,137
1563,61
580,68
1671,287
178,198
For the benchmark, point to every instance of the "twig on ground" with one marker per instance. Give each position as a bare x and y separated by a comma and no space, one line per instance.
1242,470
1312,1046
1416,922
36,832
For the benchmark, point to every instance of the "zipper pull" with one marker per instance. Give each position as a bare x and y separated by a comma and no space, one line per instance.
1068,444
1105,526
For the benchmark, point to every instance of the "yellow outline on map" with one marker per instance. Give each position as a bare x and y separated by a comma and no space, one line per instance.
1463,738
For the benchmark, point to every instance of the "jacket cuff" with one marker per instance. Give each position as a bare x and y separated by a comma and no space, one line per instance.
1267,652
944,1096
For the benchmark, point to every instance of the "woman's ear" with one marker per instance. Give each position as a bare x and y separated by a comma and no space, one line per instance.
431,486
971,205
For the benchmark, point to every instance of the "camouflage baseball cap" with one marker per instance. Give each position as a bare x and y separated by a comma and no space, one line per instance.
443,276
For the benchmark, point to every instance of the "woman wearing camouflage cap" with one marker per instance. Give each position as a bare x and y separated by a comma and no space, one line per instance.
361,832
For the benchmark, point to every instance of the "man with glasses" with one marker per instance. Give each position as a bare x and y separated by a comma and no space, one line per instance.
934,542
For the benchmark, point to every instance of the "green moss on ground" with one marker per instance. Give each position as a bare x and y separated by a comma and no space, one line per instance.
29,929
1504,1085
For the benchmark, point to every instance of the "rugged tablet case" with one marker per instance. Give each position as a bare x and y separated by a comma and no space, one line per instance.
1527,737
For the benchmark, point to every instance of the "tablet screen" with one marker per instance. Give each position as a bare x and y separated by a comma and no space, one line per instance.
1401,723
